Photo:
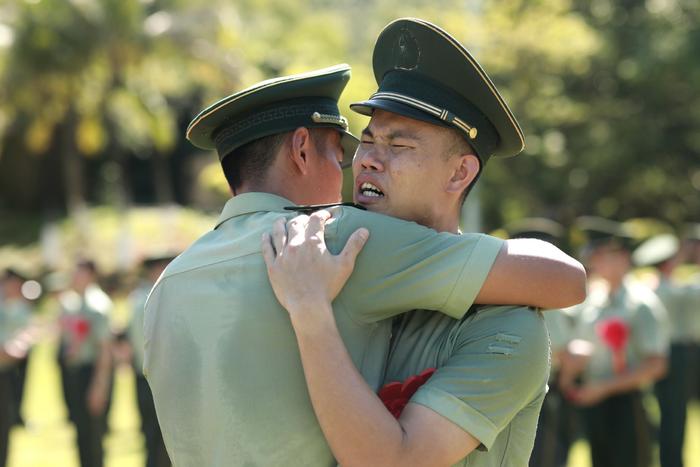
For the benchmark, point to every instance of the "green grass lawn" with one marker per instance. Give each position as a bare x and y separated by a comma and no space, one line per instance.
48,438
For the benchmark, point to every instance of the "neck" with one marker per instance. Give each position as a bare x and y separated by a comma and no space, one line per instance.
446,220
273,184
280,179
448,224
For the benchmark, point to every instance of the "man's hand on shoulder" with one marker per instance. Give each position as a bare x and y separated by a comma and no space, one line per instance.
304,275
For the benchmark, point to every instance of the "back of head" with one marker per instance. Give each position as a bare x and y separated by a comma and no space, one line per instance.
248,128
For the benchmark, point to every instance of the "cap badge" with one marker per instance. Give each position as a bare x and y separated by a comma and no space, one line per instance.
406,51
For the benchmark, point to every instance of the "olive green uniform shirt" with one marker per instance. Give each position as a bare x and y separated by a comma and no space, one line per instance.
137,301
220,353
559,328
678,301
81,343
643,313
689,305
14,315
492,368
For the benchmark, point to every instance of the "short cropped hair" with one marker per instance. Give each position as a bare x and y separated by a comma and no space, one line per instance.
250,162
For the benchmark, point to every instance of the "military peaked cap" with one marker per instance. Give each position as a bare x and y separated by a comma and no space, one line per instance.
599,231
656,250
536,227
426,74
275,106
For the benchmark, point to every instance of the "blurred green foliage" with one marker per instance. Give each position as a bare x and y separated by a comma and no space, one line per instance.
96,95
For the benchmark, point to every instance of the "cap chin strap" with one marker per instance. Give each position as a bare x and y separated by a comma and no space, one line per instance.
443,114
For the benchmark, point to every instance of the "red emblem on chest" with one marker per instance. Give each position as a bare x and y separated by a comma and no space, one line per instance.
615,332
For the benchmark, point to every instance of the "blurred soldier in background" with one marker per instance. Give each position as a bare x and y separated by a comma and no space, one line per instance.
15,314
626,325
555,429
672,391
691,254
157,456
85,360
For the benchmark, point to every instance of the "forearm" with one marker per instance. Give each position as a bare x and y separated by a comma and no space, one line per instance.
359,429
651,370
103,367
534,273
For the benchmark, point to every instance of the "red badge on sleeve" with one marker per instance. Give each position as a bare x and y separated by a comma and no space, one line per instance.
396,395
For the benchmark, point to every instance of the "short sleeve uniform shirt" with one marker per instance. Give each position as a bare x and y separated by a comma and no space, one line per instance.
84,324
14,315
137,301
673,298
643,317
491,378
220,353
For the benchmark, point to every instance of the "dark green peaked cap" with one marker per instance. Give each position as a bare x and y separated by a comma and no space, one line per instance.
426,74
275,106
536,227
599,231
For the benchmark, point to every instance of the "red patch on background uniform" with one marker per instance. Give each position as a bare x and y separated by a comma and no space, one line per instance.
615,332
82,328
79,327
396,395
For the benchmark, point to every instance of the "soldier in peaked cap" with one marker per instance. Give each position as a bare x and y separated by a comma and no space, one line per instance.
681,302
626,324
15,314
152,267
435,120
85,360
556,427
691,256
218,346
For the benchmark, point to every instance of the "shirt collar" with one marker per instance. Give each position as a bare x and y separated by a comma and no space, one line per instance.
248,203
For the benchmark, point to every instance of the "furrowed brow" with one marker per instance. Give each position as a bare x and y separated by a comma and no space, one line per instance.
403,134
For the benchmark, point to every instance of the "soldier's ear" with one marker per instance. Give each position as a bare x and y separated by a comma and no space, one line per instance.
465,170
301,146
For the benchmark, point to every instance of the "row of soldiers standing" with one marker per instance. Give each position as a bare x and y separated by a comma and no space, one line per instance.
87,351
637,334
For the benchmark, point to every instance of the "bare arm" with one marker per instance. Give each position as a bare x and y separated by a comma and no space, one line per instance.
18,346
100,384
534,273
359,429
